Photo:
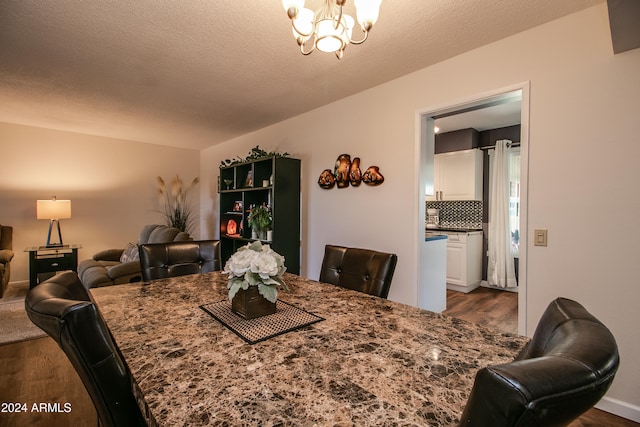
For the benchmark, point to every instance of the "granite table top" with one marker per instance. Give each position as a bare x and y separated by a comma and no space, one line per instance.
371,362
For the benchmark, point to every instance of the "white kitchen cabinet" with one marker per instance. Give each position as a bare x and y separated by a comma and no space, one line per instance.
457,176
464,260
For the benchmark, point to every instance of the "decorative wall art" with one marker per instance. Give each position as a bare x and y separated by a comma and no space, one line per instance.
347,172
327,180
341,170
355,175
372,176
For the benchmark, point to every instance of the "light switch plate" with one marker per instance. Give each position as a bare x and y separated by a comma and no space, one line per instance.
540,237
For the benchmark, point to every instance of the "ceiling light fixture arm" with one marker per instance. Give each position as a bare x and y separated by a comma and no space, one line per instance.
366,35
301,43
339,17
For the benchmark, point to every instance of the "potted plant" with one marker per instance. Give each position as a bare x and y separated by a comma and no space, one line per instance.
177,211
260,221
255,273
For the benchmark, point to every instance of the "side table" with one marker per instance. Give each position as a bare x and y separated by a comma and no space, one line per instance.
44,260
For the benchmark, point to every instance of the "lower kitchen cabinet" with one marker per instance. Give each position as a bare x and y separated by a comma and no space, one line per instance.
464,260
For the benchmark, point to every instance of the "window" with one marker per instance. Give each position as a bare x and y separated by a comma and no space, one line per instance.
514,198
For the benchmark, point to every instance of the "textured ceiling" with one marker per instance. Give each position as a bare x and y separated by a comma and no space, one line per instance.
196,73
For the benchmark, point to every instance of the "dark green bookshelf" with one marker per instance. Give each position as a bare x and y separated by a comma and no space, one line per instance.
281,192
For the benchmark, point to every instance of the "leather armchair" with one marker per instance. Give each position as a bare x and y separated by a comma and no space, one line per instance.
162,260
62,307
106,267
563,371
6,255
362,270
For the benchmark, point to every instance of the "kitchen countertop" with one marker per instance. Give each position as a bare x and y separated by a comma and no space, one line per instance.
453,229
371,362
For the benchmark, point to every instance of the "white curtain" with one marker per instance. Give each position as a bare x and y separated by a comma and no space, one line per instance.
500,270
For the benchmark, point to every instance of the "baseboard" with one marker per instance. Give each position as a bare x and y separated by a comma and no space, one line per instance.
486,284
619,408
463,289
19,282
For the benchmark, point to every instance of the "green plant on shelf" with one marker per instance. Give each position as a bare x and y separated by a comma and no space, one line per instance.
260,219
256,153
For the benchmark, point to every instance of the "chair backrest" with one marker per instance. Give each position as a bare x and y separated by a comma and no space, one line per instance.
362,270
162,260
62,308
6,255
155,233
563,371
6,237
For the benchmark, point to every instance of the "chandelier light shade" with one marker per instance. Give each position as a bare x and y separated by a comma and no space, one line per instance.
329,29
53,210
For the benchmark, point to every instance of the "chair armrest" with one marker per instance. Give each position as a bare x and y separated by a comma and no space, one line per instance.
109,255
124,269
6,255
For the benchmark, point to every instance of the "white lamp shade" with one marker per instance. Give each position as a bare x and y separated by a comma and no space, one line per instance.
303,23
367,11
53,209
348,22
329,38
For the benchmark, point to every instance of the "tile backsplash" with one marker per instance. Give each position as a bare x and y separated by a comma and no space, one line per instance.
458,213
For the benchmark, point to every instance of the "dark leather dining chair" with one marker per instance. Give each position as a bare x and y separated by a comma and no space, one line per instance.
362,270
162,260
562,372
62,307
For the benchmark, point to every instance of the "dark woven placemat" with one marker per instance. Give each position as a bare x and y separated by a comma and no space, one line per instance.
287,318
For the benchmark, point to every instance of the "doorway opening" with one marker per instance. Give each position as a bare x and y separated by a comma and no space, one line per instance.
483,112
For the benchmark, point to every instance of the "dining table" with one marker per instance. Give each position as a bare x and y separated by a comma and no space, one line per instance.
329,356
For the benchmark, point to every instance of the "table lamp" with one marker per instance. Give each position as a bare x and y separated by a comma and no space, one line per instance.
53,210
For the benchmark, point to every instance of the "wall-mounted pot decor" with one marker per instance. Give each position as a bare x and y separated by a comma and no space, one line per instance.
341,170
327,180
355,175
372,176
347,172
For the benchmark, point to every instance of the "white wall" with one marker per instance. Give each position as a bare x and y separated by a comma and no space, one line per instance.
582,164
111,184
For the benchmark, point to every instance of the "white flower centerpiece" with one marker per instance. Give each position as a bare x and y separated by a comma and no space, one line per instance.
255,273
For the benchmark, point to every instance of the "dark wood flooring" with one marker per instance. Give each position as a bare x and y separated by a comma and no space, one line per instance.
486,307
499,309
37,371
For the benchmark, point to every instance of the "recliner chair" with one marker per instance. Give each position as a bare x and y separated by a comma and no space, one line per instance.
62,307
562,372
362,270
162,260
6,255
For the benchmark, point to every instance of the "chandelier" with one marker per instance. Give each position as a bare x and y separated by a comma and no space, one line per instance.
329,29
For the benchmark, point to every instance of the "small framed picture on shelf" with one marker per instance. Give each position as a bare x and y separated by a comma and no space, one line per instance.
237,206
249,181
